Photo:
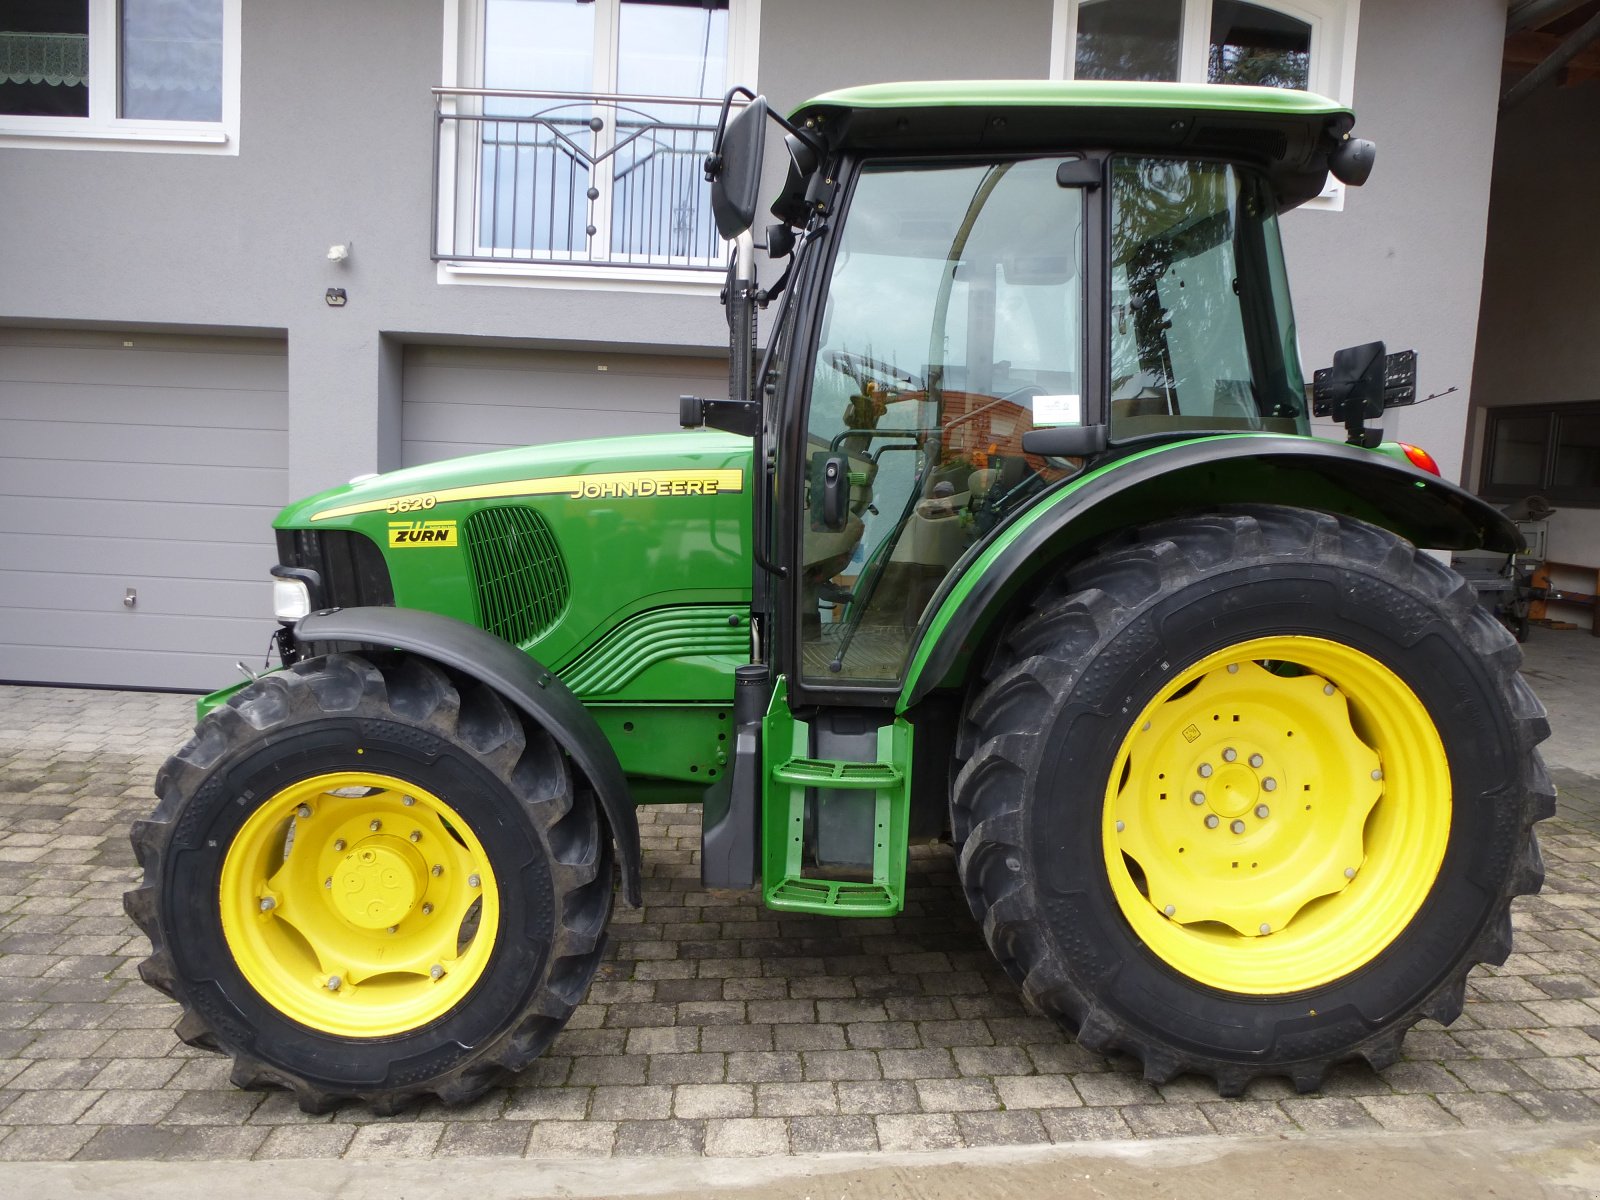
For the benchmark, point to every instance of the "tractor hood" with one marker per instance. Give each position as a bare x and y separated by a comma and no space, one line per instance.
672,464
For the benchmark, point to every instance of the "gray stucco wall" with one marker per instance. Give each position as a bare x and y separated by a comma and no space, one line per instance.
1539,337
329,156
1402,262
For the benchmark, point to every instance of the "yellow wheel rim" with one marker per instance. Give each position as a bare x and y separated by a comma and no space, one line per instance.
1277,814
359,904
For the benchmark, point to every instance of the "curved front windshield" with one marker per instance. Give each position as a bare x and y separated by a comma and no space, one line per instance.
1202,335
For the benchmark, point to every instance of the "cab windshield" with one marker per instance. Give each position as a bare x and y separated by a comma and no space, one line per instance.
1202,334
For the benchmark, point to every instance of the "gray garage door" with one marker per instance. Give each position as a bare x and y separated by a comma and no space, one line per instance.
144,468
459,400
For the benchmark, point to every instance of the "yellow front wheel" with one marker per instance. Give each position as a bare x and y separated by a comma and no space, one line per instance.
359,904
370,879
1251,795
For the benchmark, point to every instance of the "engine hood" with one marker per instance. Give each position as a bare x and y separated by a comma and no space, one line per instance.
689,463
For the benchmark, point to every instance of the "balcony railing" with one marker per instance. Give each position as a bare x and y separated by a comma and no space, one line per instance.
573,178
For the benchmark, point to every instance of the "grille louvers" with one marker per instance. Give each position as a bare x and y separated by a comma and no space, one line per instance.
517,568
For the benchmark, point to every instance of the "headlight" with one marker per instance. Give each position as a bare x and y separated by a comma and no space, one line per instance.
291,599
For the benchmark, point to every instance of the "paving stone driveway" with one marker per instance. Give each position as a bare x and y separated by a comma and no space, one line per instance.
715,1027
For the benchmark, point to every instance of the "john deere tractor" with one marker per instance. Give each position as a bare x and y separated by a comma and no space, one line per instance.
1011,530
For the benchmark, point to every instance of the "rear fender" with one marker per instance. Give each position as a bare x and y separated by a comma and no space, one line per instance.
522,680
1172,480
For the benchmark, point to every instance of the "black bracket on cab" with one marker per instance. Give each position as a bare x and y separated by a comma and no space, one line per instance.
731,416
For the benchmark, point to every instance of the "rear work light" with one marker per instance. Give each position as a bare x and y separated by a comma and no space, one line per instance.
1420,458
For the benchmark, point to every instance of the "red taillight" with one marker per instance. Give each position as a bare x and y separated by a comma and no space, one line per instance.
1420,458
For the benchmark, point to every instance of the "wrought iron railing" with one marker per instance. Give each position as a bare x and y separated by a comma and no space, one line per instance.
576,178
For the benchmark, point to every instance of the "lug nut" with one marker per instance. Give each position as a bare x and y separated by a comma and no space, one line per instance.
473,881
1212,821
394,929
1120,828
339,844
1269,784
1229,754
1205,770
1237,827
408,801
1169,910
374,825
415,835
1265,928
1256,760
328,882
437,870
303,811
1262,811
268,904
1327,689
334,983
1349,872
1377,774
427,910
1233,668
1197,798
436,972
1145,728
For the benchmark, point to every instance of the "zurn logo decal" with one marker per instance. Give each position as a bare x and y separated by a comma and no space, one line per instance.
422,533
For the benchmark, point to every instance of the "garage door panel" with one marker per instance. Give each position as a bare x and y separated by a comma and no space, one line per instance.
53,478
170,559
247,599
163,368
123,667
130,629
226,408
157,470
460,400
129,442
138,520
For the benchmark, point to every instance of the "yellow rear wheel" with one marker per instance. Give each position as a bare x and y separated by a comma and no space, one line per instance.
1277,814
1250,793
359,904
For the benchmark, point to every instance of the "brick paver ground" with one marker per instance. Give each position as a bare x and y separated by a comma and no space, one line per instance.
715,1027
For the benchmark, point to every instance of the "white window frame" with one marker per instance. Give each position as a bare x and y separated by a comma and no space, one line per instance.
463,67
103,129
1333,53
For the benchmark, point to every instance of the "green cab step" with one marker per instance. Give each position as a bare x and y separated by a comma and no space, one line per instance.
797,784
822,772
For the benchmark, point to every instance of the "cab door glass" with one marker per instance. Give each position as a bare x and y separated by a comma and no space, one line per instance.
952,324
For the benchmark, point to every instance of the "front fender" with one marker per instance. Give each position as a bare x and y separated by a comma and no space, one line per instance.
1189,477
522,680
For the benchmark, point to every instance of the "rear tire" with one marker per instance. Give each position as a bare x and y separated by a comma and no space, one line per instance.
1163,868
368,879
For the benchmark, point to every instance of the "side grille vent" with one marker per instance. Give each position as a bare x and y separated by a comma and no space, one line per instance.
518,571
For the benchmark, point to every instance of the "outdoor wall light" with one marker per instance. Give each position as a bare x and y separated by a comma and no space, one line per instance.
335,297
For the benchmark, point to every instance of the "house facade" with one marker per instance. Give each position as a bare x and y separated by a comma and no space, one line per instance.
250,250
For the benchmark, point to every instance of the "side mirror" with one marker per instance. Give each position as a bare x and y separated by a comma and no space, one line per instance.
1351,161
734,169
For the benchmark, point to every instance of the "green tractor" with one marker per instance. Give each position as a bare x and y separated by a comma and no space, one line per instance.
1012,531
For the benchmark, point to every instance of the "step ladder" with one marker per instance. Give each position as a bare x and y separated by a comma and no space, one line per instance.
797,783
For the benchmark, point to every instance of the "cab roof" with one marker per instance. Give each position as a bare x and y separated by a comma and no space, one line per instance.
1287,133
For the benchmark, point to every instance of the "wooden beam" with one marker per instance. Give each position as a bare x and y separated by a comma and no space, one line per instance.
1530,49
1530,14
1571,46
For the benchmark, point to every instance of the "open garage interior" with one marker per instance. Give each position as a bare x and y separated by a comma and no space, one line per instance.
140,475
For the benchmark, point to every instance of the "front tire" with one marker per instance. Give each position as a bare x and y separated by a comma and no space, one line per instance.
1250,794
368,879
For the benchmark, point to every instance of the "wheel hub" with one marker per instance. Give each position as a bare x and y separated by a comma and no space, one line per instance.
378,884
1246,797
359,904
